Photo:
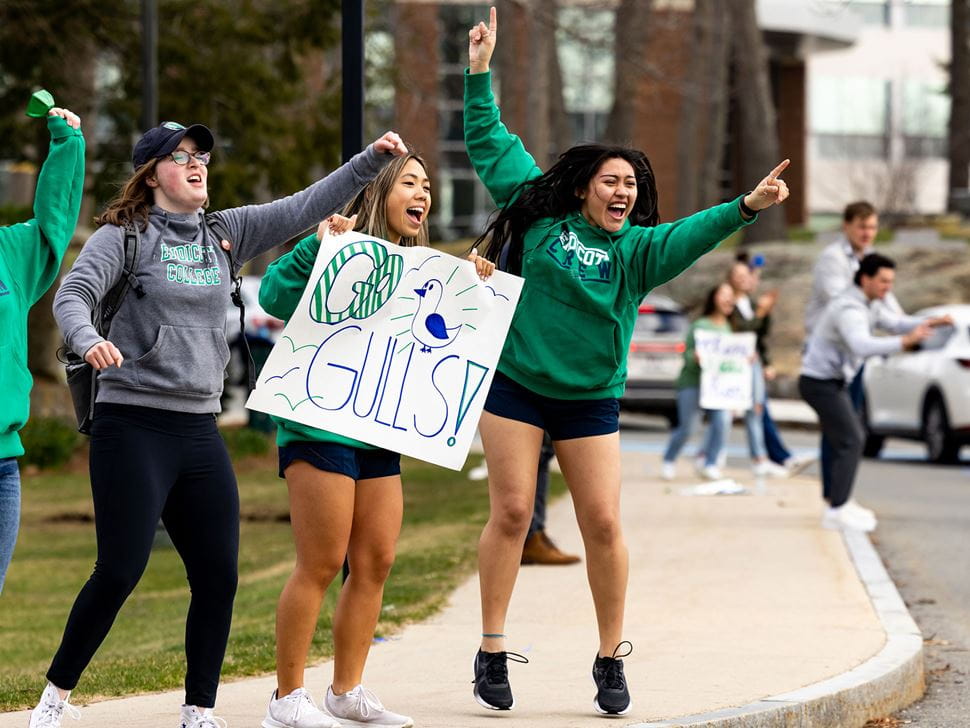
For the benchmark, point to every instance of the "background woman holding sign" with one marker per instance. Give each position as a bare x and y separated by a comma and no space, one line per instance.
155,449
345,495
585,236
714,317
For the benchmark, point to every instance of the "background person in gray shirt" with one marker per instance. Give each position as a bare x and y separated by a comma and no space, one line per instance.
155,449
840,342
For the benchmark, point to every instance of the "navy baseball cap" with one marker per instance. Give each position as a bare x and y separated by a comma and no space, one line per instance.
164,138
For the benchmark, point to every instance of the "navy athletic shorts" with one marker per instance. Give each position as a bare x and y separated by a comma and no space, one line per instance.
563,419
356,463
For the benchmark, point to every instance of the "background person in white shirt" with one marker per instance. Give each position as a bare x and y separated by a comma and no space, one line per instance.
841,340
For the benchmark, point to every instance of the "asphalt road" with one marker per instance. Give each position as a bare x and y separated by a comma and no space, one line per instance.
924,540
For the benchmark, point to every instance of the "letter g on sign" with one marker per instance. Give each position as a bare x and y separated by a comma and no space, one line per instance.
369,294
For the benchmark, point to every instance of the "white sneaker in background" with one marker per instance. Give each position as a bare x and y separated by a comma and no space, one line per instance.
479,472
296,710
863,514
360,707
51,708
798,463
668,471
768,469
711,472
192,717
842,518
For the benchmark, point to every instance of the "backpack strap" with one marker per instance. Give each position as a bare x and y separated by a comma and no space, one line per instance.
218,229
113,299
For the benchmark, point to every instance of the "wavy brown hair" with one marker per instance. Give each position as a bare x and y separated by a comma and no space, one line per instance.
134,200
370,204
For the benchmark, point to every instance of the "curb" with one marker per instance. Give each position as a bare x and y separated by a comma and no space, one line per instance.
891,679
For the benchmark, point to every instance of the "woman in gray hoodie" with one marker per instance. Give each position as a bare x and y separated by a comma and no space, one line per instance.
155,449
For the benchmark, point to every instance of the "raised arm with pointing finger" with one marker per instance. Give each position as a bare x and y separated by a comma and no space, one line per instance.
586,237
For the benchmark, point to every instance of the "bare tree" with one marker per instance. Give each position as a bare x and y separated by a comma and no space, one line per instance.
757,120
632,24
532,102
960,98
700,144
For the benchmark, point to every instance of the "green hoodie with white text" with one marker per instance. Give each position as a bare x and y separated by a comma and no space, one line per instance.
572,327
30,259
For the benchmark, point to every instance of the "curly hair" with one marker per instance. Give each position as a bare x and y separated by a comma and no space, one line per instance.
553,195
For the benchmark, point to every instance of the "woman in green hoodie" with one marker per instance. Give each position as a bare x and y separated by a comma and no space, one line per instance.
585,236
30,258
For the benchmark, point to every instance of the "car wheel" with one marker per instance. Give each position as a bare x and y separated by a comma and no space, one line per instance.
940,447
873,444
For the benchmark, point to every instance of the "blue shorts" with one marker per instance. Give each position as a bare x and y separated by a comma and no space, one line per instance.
356,463
563,419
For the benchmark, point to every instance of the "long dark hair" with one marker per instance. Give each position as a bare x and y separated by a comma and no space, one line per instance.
553,195
710,304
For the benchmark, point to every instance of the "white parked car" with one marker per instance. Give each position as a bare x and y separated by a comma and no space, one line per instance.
925,394
655,358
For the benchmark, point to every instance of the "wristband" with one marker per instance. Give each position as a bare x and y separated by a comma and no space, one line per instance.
745,210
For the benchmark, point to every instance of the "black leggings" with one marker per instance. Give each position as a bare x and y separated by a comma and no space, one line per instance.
149,463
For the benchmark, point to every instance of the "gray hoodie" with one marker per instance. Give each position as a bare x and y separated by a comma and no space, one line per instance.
174,338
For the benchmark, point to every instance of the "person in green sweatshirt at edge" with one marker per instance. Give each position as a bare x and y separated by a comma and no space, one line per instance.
30,259
585,237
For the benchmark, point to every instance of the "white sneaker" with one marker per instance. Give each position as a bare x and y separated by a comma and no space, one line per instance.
711,472
49,710
668,471
296,710
798,463
768,469
360,707
856,507
842,518
192,717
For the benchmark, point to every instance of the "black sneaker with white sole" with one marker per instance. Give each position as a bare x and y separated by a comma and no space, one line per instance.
492,689
612,695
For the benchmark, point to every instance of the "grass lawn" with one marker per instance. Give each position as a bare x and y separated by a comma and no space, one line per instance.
443,515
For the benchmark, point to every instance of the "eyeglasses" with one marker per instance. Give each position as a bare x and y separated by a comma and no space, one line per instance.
181,158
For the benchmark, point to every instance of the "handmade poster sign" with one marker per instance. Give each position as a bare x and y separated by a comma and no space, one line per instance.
726,382
392,346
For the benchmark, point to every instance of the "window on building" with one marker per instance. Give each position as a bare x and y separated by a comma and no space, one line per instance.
927,13
848,117
925,116
871,12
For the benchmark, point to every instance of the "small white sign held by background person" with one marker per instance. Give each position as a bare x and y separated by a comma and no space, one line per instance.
725,360
392,346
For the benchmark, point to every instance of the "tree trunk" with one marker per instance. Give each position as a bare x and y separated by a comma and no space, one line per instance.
560,130
704,111
757,120
632,26
960,101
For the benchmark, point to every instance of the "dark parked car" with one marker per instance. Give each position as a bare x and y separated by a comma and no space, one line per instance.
655,357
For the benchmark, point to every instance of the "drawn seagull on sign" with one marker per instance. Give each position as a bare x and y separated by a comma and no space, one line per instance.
430,329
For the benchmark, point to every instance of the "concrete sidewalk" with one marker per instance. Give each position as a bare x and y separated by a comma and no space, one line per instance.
741,609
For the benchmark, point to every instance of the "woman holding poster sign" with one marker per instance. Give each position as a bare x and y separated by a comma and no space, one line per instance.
345,495
585,236
155,449
714,317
